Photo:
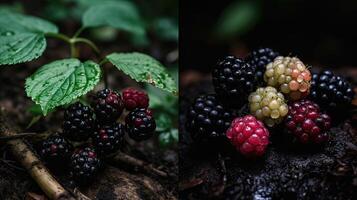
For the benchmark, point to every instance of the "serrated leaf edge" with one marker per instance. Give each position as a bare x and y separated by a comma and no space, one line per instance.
45,109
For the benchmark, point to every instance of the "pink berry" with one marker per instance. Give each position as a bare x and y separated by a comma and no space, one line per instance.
249,136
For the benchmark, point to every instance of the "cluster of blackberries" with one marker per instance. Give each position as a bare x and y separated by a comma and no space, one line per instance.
102,127
275,88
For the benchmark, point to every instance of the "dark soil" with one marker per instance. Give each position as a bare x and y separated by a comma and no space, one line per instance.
287,171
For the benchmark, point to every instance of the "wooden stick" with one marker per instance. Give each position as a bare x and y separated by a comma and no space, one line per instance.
32,164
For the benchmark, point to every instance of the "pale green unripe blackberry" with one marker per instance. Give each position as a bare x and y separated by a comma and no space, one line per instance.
290,76
268,105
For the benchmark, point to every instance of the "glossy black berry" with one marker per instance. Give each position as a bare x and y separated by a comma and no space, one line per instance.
234,80
207,119
56,149
108,138
259,58
78,122
108,106
330,91
140,124
84,165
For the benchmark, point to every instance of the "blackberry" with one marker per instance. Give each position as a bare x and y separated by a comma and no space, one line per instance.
330,91
78,122
307,123
84,165
233,80
108,138
249,136
134,98
207,119
290,76
108,106
268,105
56,149
140,124
259,59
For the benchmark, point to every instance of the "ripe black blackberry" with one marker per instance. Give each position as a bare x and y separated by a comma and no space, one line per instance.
207,119
330,91
140,124
78,122
234,80
259,58
108,106
108,138
84,165
55,149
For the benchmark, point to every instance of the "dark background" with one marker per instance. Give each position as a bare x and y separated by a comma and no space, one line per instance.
320,33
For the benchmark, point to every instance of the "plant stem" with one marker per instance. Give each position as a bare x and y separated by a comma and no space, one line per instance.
86,41
17,136
59,36
78,32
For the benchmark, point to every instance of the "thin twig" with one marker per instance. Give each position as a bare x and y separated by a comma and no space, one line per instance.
121,157
17,136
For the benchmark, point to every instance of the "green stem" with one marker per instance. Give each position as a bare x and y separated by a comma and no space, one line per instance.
86,41
59,36
78,32
74,52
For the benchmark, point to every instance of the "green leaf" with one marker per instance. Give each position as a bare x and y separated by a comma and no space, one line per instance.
168,138
238,18
22,38
61,81
122,15
144,68
166,29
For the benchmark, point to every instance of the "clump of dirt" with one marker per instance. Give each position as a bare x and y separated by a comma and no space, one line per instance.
287,171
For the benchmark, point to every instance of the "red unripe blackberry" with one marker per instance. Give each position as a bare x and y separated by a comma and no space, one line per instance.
108,138
84,165
134,98
108,106
56,149
249,136
259,58
140,124
207,119
78,122
331,92
290,76
307,123
233,80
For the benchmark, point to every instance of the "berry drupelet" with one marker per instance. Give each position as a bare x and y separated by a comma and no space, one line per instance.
108,138
330,91
134,98
290,76
259,59
84,165
233,80
78,122
207,119
56,149
268,105
307,123
140,124
249,136
108,106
